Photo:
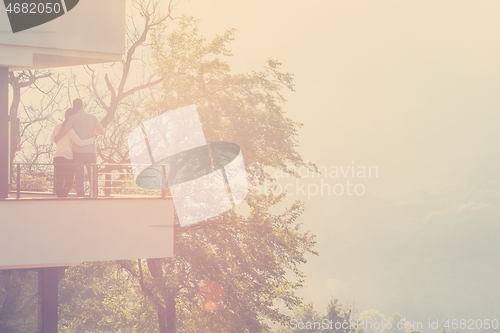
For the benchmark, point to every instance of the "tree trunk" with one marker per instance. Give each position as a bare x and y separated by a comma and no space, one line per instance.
162,323
166,315
170,313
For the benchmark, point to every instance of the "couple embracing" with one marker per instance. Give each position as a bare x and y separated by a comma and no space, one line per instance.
75,148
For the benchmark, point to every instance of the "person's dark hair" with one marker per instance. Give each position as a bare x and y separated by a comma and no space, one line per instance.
69,112
78,104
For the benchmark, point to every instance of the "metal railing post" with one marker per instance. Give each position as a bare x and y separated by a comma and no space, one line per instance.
107,184
90,170
95,180
163,190
18,181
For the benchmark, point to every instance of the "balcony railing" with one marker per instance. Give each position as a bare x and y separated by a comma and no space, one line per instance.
104,180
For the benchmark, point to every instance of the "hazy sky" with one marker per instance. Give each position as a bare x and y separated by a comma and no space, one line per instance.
409,87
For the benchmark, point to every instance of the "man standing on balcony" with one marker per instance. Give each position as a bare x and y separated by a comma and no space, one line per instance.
85,125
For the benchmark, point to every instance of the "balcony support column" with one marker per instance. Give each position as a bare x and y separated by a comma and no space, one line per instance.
48,281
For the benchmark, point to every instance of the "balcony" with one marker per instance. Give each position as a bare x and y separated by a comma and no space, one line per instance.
117,220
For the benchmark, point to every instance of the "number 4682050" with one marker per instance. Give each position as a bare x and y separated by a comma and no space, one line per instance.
471,324
33,8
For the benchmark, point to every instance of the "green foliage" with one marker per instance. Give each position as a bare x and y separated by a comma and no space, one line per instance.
102,297
243,108
18,301
251,255
32,182
306,319
125,185
228,273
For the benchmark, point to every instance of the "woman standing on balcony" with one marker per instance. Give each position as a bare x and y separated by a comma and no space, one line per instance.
63,156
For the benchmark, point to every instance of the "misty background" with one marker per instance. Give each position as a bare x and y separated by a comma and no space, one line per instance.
412,88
